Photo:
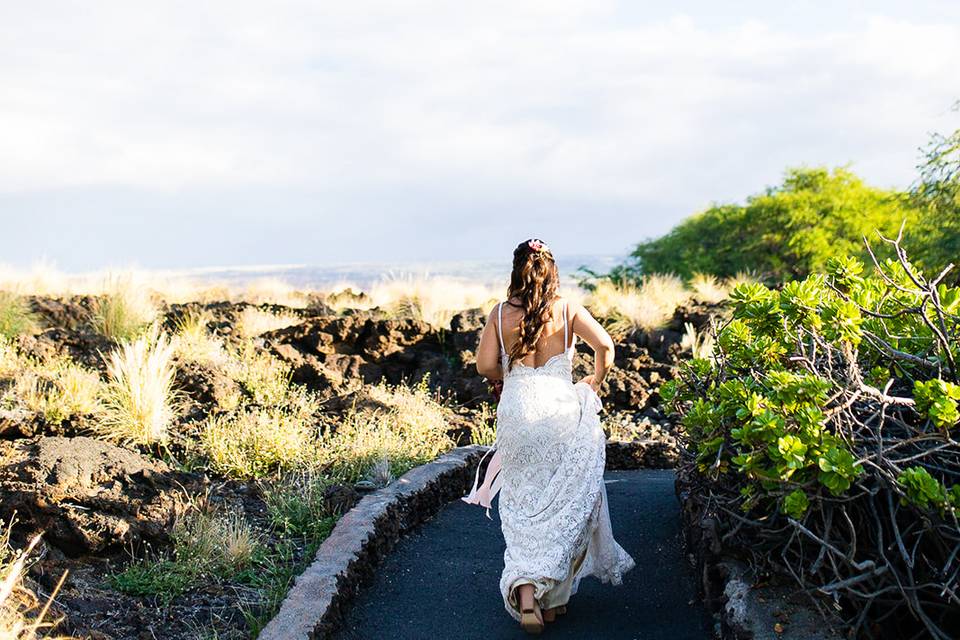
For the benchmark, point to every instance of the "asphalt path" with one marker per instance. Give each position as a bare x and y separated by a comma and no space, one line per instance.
441,580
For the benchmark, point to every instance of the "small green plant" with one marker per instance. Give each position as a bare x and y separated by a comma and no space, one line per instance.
296,505
208,545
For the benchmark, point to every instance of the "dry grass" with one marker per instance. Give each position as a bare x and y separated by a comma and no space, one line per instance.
434,300
139,401
406,426
124,309
254,322
56,389
699,345
647,307
22,616
256,441
58,393
708,288
194,343
265,378
219,542
15,315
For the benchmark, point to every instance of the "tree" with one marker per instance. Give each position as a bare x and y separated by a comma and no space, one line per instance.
788,231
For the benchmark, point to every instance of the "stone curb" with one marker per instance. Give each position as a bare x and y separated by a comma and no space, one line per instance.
318,599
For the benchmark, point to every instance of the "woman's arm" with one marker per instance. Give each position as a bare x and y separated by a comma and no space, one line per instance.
488,352
585,326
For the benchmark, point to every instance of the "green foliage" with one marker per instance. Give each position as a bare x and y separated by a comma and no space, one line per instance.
795,504
296,505
756,413
788,231
937,399
923,490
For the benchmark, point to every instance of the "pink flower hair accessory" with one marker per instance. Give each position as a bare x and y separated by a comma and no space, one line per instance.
537,245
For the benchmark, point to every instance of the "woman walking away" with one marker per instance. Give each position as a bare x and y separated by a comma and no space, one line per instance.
550,448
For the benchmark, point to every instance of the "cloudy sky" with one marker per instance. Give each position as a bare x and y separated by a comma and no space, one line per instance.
182,134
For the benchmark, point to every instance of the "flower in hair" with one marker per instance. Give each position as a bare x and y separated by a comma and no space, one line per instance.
537,245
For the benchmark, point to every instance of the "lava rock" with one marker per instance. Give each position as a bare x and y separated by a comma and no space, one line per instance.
88,495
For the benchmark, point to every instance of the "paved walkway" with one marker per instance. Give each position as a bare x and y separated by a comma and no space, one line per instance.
440,582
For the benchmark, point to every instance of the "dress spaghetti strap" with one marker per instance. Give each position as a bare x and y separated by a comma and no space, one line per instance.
503,349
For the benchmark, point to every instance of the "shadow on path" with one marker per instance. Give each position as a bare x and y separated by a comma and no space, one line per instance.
441,581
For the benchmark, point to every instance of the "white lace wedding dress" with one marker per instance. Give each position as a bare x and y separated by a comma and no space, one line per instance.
548,469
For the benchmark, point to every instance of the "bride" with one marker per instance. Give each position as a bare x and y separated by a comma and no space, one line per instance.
550,448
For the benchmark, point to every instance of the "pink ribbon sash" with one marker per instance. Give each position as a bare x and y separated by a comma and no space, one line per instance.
485,493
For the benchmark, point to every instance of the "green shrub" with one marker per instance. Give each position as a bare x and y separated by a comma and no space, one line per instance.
801,455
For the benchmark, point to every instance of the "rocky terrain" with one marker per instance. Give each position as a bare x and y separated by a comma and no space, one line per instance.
101,504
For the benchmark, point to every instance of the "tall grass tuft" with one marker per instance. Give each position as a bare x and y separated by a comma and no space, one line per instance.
138,401
645,307
15,315
124,310
708,288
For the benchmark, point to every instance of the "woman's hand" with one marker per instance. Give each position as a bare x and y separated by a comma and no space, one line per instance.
591,380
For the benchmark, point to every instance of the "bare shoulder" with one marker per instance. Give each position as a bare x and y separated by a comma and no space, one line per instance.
575,308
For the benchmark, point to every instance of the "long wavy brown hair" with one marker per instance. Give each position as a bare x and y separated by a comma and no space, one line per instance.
534,282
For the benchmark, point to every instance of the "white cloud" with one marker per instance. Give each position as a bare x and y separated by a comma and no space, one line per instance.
564,98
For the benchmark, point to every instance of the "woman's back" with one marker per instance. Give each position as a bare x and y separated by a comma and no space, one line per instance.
556,338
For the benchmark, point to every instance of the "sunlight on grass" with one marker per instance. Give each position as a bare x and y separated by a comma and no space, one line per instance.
55,389
264,377
708,288
124,310
15,315
139,401
408,428
434,300
194,343
256,441
254,322
647,307
22,615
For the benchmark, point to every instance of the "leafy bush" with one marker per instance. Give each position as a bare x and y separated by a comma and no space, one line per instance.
787,231
821,435
937,193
